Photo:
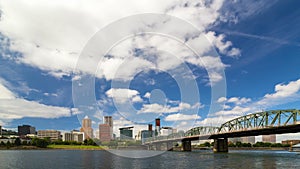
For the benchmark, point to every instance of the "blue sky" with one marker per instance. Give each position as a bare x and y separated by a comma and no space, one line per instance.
247,61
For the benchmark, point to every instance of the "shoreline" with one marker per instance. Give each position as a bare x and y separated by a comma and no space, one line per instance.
97,148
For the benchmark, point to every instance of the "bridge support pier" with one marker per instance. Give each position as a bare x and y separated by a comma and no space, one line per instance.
221,145
157,146
150,147
169,146
186,145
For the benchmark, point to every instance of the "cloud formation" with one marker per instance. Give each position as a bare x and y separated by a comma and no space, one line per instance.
12,107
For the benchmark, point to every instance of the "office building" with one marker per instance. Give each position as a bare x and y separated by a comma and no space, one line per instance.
165,131
52,134
145,134
249,139
126,133
104,132
235,140
74,136
269,138
108,120
86,127
26,129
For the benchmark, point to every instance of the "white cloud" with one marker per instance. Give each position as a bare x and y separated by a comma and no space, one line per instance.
158,108
12,107
181,117
222,99
235,100
121,95
147,95
57,31
224,47
5,93
237,110
282,90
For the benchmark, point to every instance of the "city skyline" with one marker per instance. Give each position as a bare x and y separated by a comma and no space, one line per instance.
248,62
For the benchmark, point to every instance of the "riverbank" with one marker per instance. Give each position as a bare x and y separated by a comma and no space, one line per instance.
77,147
52,146
260,148
22,148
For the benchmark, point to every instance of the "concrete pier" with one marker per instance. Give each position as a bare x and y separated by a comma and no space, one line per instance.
221,145
169,146
186,145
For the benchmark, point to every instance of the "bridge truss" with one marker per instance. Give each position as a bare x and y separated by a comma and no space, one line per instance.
273,118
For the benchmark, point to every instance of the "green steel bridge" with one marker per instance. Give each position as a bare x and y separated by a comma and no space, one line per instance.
261,123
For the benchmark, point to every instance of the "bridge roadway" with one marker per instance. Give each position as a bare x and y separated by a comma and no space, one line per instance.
262,123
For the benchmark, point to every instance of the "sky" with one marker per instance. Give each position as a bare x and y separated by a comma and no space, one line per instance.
189,63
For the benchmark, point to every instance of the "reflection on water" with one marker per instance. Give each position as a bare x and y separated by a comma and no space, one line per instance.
77,159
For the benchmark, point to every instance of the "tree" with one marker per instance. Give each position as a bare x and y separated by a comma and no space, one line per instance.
238,144
2,144
85,142
207,144
91,142
17,141
24,142
8,144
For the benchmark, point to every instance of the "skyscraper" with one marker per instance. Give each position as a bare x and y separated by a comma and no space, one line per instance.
104,132
108,120
87,128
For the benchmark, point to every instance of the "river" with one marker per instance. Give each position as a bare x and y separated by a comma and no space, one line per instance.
86,159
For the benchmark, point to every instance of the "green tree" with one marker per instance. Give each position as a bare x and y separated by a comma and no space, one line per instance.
2,144
207,144
238,144
8,144
85,142
17,141
24,143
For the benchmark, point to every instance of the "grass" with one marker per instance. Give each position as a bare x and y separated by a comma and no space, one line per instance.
76,147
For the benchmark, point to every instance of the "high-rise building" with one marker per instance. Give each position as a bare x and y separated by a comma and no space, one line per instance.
52,134
269,138
126,133
249,139
104,132
108,120
86,127
0,131
26,129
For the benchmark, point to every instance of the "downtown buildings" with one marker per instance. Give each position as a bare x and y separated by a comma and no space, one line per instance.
106,129
74,135
26,130
269,138
52,134
86,128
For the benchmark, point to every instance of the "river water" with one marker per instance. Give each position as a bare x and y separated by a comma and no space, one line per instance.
86,159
